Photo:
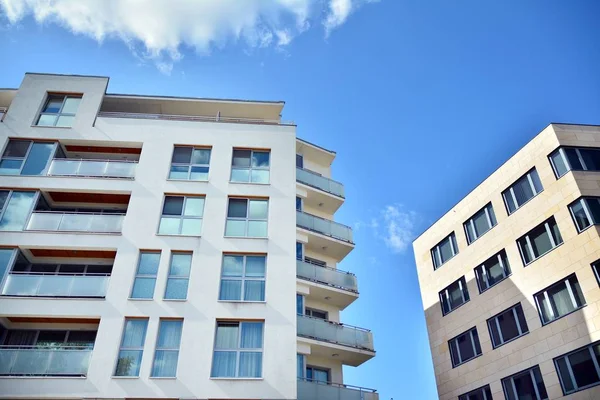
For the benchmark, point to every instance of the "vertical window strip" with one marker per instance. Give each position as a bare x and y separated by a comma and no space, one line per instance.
145,277
168,342
247,284
179,275
132,347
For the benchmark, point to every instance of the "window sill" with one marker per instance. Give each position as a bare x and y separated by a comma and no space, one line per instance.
480,236
54,127
41,377
250,183
454,309
175,235
445,262
586,228
164,378
495,284
187,180
509,341
70,232
246,237
235,379
464,362
136,299
176,300
562,316
242,301
124,377
521,206
4,296
541,255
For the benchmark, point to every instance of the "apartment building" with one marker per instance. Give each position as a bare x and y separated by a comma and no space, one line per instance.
510,276
149,248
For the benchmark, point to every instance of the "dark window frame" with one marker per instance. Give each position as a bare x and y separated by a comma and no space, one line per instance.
436,254
554,241
510,190
464,292
493,319
475,344
565,356
571,295
504,263
488,210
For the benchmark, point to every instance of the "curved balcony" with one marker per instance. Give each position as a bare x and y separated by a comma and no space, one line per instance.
51,285
92,168
40,361
320,182
58,221
310,390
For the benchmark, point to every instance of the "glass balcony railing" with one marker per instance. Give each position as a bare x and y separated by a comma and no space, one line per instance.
310,390
328,331
320,182
47,285
328,276
40,361
324,226
75,222
92,168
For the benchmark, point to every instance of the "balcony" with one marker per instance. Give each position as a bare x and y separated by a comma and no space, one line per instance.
310,390
315,180
92,168
321,193
352,345
330,285
195,118
61,285
324,234
57,221
43,361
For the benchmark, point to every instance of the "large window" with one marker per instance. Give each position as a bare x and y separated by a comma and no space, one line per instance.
25,157
454,296
316,374
539,241
526,384
243,278
579,369
250,166
145,277
464,347
596,269
167,348
238,350
179,275
15,207
59,111
565,159
507,325
559,299
247,217
182,215
493,270
190,163
523,190
483,393
585,212
132,347
444,250
480,223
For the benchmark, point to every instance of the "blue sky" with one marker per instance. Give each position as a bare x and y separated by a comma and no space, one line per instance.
421,100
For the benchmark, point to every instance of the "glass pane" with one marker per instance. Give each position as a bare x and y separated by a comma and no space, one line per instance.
223,364
250,364
17,211
591,157
201,156
560,299
445,250
594,207
583,368
259,176
260,158
522,190
169,226
579,299
524,386
227,336
38,158
230,290
259,209
46,120
465,346
563,371
17,148
581,218
241,158
165,363
178,172
143,288
173,205
573,159
148,263
559,164
134,333
495,272
176,289
481,223
254,291
199,174
257,229
237,208
10,167
191,227
5,257
194,206
540,241
53,104
233,265
65,121
496,340
546,310
181,155
537,184
235,228
71,105
180,264
252,335
129,363
169,334
240,175
508,325
255,266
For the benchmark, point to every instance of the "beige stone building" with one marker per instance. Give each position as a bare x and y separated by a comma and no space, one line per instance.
509,276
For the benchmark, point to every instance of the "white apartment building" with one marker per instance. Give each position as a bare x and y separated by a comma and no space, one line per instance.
149,249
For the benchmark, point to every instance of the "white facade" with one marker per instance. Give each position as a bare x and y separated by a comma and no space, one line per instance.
256,126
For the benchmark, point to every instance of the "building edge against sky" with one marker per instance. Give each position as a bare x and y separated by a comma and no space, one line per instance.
150,248
509,276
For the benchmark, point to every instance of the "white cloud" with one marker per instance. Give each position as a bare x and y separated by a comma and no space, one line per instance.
394,225
163,27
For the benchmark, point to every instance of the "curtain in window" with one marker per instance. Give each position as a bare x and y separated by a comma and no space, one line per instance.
165,363
300,366
169,335
250,364
230,290
20,338
223,364
522,191
135,332
254,291
252,333
561,300
227,336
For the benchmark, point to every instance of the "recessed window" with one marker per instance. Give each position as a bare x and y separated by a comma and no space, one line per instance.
585,212
579,369
132,347
507,325
190,163
483,393
539,241
559,299
299,251
250,166
15,207
596,269
566,159
59,111
526,384
243,278
182,215
247,217
454,296
444,250
298,203
167,348
299,161
493,270
179,276
145,277
480,223
238,350
26,157
523,190
316,374
314,313
464,347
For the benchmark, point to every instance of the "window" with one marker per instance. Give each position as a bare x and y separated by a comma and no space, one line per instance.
25,157
238,350
167,348
315,374
145,277
483,393
314,313
299,161
507,325
444,250
243,278
585,212
480,223
559,299
464,347
579,369
526,384
494,270
298,203
247,217
190,163
539,241
250,166
179,275
523,190
454,296
49,339
299,251
300,366
596,269
566,159
15,208
182,215
132,347
299,304
59,111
